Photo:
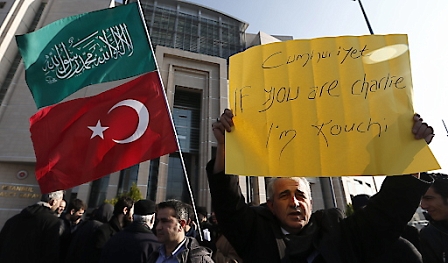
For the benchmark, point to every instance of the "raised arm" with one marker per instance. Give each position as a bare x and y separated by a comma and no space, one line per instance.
422,130
376,227
223,124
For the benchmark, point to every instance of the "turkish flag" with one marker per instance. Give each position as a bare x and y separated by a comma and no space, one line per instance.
84,139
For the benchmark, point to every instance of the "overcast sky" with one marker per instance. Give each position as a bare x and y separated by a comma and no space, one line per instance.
425,22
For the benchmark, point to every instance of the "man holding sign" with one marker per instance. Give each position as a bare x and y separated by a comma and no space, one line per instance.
288,231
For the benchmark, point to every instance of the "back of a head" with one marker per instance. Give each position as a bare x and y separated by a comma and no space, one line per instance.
202,211
401,250
103,213
190,211
123,202
180,209
144,207
56,195
359,201
144,212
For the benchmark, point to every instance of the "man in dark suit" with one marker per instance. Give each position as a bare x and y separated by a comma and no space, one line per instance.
136,242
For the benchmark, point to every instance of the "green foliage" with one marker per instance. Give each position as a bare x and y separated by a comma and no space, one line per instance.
133,193
349,210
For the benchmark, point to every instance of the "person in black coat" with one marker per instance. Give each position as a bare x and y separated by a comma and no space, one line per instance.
81,249
121,218
136,242
70,221
33,235
403,249
288,231
434,237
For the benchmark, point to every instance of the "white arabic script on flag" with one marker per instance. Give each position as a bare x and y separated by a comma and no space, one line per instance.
65,61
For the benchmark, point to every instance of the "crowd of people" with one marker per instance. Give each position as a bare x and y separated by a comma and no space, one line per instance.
284,229
127,231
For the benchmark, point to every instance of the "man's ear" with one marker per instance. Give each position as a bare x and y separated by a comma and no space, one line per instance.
125,211
72,211
182,223
153,219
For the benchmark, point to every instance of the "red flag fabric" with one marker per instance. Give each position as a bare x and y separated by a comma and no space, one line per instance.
85,139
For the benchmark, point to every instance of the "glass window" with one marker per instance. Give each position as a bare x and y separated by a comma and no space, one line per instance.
127,177
153,176
176,178
98,191
177,187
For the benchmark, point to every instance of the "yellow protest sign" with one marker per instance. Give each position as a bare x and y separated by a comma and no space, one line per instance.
324,107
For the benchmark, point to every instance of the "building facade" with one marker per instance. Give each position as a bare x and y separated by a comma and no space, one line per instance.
192,45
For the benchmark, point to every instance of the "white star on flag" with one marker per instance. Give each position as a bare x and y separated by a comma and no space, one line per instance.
97,130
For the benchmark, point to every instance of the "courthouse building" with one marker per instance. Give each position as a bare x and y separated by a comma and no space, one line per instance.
192,45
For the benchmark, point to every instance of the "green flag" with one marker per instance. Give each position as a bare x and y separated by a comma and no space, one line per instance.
85,49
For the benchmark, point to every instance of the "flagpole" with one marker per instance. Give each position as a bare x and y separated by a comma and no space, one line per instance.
172,122
446,129
365,17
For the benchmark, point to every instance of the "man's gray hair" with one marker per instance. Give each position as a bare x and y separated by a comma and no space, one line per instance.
56,195
143,218
179,207
300,180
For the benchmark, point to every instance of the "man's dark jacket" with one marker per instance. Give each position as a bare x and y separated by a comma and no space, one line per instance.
256,235
434,242
103,234
193,253
31,236
82,247
133,245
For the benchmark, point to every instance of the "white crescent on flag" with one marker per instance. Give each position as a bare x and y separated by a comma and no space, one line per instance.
143,119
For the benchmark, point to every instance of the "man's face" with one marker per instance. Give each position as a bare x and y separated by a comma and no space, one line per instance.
75,216
61,207
213,218
128,216
168,228
291,204
435,205
55,203
202,218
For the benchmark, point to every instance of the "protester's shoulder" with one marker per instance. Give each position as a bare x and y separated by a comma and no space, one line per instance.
40,212
262,210
431,229
328,217
198,251
138,228
193,244
334,213
36,209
